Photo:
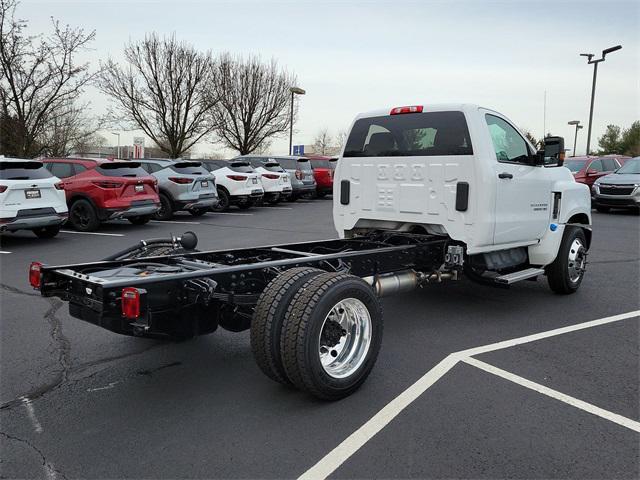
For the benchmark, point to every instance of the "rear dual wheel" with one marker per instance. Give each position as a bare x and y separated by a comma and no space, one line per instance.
329,335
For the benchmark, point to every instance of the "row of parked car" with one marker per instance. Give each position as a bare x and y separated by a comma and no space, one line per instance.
614,180
41,195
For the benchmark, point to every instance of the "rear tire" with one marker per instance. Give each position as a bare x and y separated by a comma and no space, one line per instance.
331,335
83,217
321,194
268,317
47,232
566,272
247,205
166,208
292,198
141,220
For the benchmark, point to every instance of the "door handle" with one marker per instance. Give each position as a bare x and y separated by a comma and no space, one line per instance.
505,175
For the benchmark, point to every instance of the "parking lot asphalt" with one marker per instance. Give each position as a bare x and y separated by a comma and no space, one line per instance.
78,401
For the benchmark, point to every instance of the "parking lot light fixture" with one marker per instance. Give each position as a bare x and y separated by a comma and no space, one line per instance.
595,63
118,135
294,91
575,138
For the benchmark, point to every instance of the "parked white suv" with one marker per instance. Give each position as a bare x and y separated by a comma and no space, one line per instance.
31,198
274,178
237,183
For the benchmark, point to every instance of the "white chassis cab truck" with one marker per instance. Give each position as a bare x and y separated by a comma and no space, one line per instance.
422,194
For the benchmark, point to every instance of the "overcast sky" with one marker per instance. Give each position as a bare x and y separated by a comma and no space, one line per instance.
353,56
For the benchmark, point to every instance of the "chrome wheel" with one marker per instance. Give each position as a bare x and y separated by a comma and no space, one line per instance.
345,338
577,260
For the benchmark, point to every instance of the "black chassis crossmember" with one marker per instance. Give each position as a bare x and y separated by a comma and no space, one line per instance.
191,293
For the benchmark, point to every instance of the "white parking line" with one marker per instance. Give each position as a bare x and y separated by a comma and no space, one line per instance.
31,412
93,233
175,221
231,213
276,208
329,463
587,407
6,253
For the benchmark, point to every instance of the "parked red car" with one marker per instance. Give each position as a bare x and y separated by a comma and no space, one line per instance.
588,169
323,168
98,190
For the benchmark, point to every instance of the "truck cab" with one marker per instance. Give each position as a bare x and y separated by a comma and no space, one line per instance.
457,170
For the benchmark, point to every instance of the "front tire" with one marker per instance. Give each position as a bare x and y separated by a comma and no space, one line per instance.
166,208
566,272
223,201
47,232
331,335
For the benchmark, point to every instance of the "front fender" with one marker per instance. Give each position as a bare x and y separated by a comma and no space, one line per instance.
575,206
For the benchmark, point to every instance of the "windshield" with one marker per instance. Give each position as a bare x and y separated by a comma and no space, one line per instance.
23,171
631,166
414,134
574,165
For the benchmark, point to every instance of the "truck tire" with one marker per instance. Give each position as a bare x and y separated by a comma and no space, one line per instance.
331,335
566,272
83,217
268,316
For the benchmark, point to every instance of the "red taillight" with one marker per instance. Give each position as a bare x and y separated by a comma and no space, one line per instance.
59,186
299,174
181,180
130,303
237,178
34,274
411,109
106,184
271,176
3,188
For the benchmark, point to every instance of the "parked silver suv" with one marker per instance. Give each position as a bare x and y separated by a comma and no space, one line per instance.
183,185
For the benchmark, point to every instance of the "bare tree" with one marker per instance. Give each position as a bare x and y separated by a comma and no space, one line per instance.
323,142
40,81
67,131
253,102
341,138
162,91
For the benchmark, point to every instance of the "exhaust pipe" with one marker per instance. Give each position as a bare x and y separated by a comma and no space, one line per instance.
405,281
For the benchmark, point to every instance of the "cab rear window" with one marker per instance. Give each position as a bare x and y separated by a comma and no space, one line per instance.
241,167
189,168
412,134
23,171
121,169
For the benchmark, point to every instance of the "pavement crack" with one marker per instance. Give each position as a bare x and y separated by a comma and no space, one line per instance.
18,291
151,371
50,470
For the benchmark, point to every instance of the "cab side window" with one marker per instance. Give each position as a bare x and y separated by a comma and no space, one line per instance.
609,164
597,166
507,142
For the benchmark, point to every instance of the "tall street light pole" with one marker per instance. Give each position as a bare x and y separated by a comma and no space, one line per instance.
294,91
118,135
593,85
575,138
